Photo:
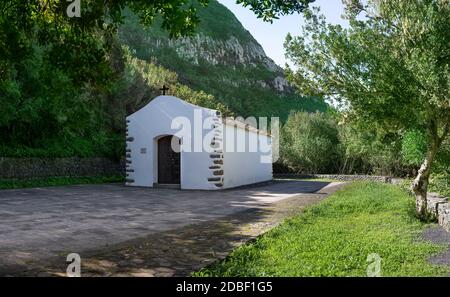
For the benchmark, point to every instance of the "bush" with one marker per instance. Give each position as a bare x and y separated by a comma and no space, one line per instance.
332,143
440,183
369,149
310,143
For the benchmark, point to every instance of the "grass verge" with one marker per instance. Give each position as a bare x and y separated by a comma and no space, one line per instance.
57,181
335,237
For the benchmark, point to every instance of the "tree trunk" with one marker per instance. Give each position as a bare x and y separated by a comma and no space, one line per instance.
420,183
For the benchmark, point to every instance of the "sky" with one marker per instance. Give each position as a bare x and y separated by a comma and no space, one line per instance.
271,36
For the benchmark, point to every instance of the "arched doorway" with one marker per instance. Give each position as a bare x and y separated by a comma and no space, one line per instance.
168,160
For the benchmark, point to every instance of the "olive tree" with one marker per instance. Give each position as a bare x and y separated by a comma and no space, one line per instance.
389,67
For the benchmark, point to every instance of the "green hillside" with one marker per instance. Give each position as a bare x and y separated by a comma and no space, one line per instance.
222,59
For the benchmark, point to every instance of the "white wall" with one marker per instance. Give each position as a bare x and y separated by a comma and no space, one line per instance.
242,168
152,121
155,119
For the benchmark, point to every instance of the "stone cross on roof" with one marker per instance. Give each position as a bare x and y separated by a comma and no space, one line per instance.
164,89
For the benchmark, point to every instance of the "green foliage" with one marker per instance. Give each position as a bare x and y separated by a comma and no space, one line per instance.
153,77
138,83
370,149
442,163
391,74
440,178
43,108
330,143
58,181
440,183
219,23
310,143
235,85
66,84
414,146
335,237
272,9
390,68
66,120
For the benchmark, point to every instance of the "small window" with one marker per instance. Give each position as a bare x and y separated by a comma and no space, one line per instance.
143,150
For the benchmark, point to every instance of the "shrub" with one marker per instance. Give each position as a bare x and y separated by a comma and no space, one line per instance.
370,149
440,183
310,143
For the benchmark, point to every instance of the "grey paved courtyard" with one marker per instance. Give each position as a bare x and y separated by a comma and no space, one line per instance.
41,223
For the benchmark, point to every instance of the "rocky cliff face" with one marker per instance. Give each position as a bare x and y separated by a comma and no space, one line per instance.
222,59
230,52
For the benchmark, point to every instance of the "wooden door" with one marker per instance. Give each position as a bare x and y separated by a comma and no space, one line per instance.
168,161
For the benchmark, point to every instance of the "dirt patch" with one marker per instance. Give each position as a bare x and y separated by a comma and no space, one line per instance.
437,234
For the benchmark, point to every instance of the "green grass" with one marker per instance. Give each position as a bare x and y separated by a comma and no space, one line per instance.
335,237
57,181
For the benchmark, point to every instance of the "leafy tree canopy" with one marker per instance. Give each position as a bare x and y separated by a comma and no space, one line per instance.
269,10
80,43
390,66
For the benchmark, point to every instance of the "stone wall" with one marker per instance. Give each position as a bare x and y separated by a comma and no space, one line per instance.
343,177
439,207
23,168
